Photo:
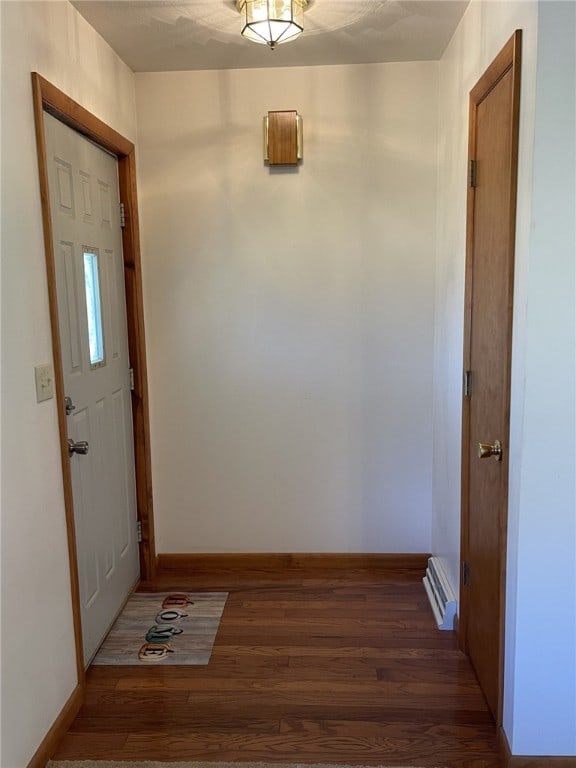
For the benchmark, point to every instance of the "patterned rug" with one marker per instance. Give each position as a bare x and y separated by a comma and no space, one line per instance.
159,629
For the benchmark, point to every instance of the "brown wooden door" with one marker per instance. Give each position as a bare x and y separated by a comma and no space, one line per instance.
489,283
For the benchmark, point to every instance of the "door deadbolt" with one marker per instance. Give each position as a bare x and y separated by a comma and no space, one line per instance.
81,447
486,450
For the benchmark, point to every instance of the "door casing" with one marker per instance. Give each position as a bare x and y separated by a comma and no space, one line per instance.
509,59
49,98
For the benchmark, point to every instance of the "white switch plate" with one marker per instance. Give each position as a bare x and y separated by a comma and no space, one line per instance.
44,382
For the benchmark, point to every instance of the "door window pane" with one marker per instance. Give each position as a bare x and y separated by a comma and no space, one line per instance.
94,309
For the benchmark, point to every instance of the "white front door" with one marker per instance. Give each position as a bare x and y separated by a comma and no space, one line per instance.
83,181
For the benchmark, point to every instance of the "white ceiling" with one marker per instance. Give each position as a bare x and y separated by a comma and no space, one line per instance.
164,35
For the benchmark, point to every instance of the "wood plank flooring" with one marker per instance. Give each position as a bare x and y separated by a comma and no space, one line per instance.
308,666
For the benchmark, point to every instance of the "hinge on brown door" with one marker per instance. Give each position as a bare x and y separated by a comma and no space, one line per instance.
122,215
465,573
472,170
467,383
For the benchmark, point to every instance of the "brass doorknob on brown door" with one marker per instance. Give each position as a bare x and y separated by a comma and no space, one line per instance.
485,450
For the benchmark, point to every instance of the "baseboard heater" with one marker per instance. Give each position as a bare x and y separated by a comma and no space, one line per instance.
440,594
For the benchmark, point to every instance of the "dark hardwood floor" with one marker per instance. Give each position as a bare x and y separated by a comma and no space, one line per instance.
309,666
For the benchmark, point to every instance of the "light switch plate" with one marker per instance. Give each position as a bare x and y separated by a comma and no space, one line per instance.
44,382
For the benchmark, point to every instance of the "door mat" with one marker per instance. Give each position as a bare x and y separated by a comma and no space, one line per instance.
164,629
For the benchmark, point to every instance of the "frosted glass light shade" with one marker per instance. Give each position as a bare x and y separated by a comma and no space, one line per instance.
271,22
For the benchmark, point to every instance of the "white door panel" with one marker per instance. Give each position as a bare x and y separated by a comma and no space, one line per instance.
92,317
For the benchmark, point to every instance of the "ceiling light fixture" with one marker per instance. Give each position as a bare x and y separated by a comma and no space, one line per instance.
271,22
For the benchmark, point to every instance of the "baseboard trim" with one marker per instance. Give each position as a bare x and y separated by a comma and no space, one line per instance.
291,561
518,761
59,728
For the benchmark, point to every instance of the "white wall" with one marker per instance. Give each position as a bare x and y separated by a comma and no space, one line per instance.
289,313
38,663
540,706
540,666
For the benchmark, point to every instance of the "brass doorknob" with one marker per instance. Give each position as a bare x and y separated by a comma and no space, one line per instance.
485,450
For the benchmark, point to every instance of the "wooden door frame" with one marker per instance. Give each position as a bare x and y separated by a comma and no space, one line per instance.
509,59
48,98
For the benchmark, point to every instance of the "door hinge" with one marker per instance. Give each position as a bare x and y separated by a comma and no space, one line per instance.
472,172
131,374
467,383
139,531
122,215
465,573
